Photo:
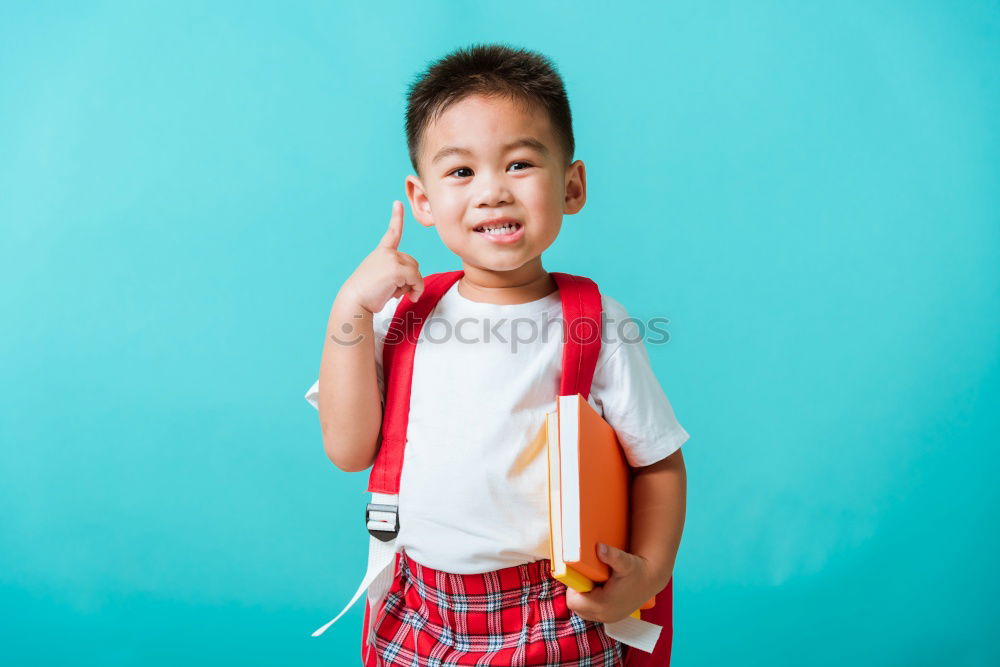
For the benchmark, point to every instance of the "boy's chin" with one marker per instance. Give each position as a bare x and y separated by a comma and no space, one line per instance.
497,264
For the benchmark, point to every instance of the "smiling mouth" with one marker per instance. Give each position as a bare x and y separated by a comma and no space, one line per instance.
499,230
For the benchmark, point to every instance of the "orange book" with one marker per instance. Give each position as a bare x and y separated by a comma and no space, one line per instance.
589,493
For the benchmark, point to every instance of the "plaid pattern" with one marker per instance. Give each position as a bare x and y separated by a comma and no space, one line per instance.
512,616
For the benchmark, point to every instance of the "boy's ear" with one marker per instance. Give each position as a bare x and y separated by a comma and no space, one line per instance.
419,203
576,187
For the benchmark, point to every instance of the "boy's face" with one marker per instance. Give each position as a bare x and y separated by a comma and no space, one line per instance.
473,171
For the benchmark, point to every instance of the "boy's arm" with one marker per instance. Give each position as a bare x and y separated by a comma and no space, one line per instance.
644,420
350,402
350,409
659,496
658,501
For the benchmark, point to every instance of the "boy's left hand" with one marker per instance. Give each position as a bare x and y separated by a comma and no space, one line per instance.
632,582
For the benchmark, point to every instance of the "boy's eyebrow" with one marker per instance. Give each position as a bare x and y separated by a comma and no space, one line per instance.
528,142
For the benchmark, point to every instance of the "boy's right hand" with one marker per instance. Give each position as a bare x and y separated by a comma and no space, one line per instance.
385,273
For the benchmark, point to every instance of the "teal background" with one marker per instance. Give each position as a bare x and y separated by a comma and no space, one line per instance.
809,193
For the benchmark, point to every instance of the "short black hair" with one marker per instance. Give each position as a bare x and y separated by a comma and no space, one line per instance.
491,70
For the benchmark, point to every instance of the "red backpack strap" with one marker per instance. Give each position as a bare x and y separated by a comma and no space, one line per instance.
661,614
582,318
397,372
582,314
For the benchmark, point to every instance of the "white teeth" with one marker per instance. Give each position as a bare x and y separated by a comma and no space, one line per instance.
505,229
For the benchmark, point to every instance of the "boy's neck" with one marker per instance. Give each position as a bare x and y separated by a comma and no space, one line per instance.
527,283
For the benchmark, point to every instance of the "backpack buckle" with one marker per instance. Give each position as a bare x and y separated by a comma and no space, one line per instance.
382,521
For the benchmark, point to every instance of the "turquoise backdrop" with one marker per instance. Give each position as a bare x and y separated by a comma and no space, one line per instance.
809,193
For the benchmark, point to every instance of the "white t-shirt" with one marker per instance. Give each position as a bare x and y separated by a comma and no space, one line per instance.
472,495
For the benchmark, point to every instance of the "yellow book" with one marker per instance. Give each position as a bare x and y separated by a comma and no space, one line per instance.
589,486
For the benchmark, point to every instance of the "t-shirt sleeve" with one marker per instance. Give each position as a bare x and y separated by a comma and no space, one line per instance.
380,325
632,400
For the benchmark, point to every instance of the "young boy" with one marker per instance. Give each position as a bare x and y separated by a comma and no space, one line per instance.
490,138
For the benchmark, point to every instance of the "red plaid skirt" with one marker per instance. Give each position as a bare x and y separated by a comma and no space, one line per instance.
513,616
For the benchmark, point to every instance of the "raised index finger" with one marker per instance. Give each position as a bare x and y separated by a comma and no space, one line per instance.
395,232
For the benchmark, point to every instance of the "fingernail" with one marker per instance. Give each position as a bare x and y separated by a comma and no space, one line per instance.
603,548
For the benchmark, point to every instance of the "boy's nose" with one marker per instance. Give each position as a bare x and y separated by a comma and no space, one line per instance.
493,192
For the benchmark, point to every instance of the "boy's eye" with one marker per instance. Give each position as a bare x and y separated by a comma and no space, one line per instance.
455,172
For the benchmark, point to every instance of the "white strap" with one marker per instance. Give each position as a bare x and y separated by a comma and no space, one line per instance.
378,577
635,632
385,557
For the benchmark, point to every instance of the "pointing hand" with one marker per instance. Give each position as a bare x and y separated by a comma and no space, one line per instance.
386,273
